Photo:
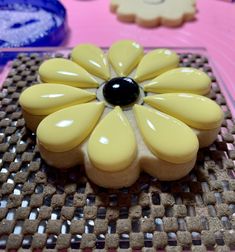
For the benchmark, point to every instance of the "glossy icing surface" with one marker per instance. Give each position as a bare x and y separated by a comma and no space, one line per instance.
66,72
197,111
124,56
92,59
184,79
155,63
112,146
67,128
167,137
121,91
44,99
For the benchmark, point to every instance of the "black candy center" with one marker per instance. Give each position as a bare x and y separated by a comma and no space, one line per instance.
121,91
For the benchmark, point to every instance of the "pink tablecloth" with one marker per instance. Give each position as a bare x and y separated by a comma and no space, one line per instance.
91,21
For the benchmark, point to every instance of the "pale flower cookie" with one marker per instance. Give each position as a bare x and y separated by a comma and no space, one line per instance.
151,13
141,112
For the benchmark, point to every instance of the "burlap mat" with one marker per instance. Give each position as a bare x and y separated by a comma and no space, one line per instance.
42,208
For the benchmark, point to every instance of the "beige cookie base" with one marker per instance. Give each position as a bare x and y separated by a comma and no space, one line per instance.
115,180
164,170
154,166
145,21
62,160
76,156
206,137
32,121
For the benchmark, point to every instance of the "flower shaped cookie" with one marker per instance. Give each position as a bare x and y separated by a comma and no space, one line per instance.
150,13
140,111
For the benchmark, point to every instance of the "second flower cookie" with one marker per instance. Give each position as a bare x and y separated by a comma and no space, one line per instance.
151,13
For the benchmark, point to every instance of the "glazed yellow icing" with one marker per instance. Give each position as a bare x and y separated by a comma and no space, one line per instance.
155,63
197,111
124,56
167,138
66,72
112,146
92,59
69,127
184,79
44,99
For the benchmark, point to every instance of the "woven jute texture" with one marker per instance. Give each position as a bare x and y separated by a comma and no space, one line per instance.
45,209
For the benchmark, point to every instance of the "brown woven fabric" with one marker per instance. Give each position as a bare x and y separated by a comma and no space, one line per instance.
47,209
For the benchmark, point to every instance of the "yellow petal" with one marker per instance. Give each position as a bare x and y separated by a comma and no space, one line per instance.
155,63
44,99
66,72
124,56
112,145
67,128
184,79
92,59
197,111
167,138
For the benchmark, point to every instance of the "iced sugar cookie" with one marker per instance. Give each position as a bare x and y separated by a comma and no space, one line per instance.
145,113
150,13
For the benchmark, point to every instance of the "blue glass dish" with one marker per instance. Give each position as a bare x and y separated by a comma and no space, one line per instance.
32,23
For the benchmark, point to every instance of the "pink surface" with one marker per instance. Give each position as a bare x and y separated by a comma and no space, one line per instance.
91,21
